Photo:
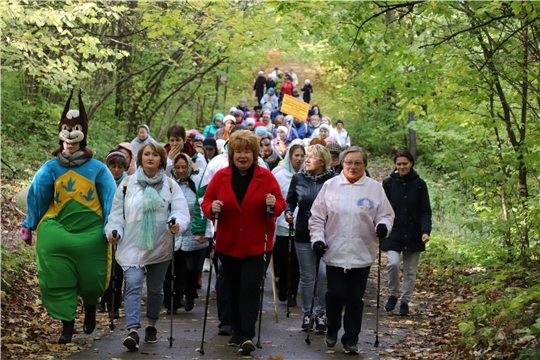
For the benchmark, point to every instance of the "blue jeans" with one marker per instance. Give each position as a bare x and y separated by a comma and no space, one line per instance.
306,261
134,277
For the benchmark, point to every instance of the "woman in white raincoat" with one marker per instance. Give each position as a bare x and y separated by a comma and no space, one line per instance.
142,209
348,216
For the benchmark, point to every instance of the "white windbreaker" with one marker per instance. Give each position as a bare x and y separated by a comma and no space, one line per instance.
127,253
345,217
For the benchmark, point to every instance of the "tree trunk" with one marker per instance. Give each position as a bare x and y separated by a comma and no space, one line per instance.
412,136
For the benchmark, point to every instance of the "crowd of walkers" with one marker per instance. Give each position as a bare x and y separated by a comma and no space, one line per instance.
292,190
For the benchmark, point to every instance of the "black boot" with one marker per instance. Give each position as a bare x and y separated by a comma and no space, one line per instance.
67,332
89,318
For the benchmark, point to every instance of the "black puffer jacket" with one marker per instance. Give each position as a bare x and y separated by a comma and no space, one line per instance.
302,193
410,200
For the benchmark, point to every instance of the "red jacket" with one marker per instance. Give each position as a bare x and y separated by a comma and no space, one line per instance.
287,88
241,229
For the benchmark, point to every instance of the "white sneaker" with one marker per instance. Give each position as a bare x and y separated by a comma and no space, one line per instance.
206,266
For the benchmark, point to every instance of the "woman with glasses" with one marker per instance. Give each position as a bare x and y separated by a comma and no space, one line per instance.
304,187
409,197
348,216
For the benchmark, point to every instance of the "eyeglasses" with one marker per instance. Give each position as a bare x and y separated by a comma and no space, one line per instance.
311,157
356,163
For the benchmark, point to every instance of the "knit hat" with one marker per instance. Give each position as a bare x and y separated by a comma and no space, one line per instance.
261,72
259,123
340,122
330,139
115,153
267,113
307,81
333,148
238,113
284,129
233,109
261,130
244,100
199,137
209,143
229,118
325,126
250,121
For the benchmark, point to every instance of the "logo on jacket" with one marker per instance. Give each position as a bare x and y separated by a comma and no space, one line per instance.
365,204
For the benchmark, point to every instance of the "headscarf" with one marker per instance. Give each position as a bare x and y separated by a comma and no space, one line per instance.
284,129
261,130
187,179
132,166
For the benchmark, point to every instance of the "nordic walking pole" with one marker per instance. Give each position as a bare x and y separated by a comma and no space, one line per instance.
113,263
291,229
378,297
274,286
269,210
317,264
212,245
173,293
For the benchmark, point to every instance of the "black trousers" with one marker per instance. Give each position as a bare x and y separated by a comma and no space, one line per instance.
346,289
281,266
222,293
243,276
116,287
186,270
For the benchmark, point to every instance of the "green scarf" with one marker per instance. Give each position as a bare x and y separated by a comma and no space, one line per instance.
152,201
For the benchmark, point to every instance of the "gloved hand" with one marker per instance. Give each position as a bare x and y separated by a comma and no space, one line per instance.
27,235
320,248
381,231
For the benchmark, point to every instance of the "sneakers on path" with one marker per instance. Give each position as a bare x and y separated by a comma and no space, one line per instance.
132,341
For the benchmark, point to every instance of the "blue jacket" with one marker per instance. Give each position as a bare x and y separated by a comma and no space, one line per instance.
301,129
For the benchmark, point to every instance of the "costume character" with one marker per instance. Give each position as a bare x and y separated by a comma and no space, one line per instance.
68,204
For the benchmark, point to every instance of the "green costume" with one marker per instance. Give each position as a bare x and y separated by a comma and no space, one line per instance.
68,203
71,205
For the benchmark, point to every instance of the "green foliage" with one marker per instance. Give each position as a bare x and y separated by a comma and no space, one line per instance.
15,260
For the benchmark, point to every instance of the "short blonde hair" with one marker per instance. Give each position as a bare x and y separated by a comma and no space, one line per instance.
321,152
157,148
243,140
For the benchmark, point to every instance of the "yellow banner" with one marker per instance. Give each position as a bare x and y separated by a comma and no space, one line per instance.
294,107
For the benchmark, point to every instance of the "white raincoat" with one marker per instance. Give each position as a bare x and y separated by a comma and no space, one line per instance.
345,217
127,253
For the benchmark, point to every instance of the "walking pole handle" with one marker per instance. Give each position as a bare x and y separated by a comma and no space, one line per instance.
114,233
172,221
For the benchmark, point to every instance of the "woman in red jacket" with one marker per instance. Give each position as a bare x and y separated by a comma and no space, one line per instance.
241,193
